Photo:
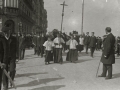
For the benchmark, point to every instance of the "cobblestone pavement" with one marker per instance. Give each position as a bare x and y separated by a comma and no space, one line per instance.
33,74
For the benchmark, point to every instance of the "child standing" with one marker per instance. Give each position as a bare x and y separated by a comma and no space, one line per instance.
48,51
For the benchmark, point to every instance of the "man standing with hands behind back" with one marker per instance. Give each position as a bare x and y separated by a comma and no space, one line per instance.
108,56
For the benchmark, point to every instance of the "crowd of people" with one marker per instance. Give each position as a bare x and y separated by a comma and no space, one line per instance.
12,48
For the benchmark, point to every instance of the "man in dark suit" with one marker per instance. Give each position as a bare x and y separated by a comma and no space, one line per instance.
42,40
38,49
12,55
87,41
108,56
4,52
92,44
22,47
34,41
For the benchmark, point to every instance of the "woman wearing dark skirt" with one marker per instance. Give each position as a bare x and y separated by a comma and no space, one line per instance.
48,51
72,54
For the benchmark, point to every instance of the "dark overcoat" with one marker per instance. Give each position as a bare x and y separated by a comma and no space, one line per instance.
38,43
3,50
93,41
13,46
108,50
12,52
42,40
87,40
22,43
34,41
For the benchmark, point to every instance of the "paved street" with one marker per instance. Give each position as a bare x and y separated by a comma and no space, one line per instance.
33,74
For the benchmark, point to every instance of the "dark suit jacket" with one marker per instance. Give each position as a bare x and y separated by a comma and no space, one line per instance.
12,46
3,50
22,43
38,43
87,40
108,50
42,40
93,41
34,40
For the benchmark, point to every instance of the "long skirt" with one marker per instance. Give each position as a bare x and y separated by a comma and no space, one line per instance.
72,55
58,55
49,56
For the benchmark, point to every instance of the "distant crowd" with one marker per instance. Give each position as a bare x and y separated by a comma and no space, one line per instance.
51,46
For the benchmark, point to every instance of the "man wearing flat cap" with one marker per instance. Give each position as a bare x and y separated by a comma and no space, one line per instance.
108,57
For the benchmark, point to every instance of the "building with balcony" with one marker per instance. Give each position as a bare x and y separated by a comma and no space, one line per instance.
24,16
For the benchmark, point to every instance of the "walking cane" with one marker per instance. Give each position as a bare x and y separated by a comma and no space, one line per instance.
98,68
5,72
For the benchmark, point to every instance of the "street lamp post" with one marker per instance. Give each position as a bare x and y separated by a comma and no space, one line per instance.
62,14
82,16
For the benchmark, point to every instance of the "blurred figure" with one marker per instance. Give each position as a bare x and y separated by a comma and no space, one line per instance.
58,41
81,43
118,46
87,41
92,44
108,56
38,50
4,52
72,55
34,41
12,56
42,41
22,45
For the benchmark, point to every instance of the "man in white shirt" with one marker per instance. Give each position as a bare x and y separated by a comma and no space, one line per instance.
58,41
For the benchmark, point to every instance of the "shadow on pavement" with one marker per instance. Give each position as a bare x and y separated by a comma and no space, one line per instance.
26,58
116,75
38,82
55,87
29,74
79,61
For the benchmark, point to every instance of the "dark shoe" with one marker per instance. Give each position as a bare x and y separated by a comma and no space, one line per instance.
101,76
108,78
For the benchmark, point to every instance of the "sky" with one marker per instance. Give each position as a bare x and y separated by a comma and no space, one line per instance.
98,14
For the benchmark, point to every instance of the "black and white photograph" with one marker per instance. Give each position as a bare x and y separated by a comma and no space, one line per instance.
59,44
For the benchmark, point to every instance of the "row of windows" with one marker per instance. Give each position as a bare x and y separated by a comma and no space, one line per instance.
25,9
11,3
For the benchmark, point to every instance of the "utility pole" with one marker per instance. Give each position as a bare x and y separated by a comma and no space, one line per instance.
62,14
82,17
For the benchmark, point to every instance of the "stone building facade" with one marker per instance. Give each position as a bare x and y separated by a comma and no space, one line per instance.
24,16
